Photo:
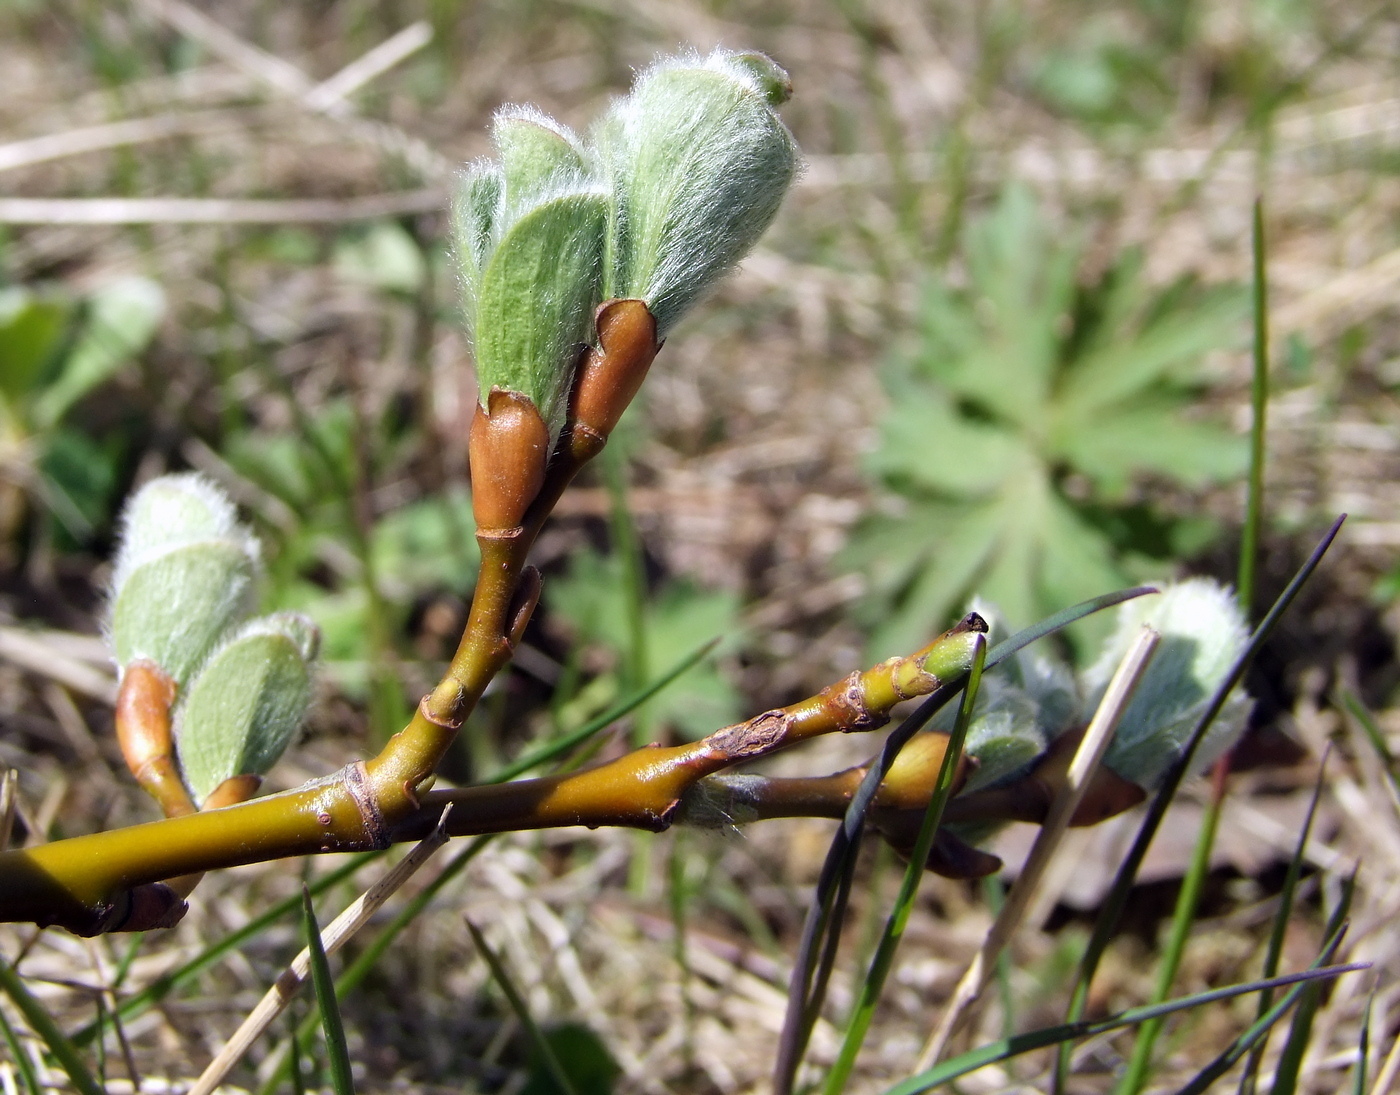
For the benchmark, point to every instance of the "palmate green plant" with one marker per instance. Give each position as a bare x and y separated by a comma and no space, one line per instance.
1021,418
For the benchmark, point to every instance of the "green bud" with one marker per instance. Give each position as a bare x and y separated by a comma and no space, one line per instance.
1004,736
246,702
1203,632
529,243
700,163
183,574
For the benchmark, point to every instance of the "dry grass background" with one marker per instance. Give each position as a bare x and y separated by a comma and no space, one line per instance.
759,411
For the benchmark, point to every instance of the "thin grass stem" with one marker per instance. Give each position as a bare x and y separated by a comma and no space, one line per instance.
337,1051
1006,1048
1183,920
43,1025
23,1065
1259,402
522,1011
883,960
1274,952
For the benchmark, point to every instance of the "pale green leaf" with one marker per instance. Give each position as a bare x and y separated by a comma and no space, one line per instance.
536,300
924,442
1152,438
246,702
122,319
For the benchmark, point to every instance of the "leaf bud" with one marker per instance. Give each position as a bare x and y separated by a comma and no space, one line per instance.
509,451
699,162
183,575
1203,632
529,243
246,702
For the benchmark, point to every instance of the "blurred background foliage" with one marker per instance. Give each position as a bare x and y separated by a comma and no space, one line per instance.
996,342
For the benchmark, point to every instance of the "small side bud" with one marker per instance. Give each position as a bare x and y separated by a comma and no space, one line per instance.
509,451
611,374
246,702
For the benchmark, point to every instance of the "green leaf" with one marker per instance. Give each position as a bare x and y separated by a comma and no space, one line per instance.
592,597
582,1055
246,702
537,155
1152,438
174,609
536,300
476,210
1129,365
122,319
31,329
426,546
925,443
338,1054
385,257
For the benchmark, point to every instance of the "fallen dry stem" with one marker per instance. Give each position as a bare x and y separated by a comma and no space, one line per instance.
336,934
1086,761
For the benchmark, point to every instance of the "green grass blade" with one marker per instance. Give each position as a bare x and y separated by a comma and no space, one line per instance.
162,986
1290,1061
1274,953
294,1057
1005,1048
822,927
43,1025
1112,908
1183,919
1367,722
1336,930
1259,402
883,960
551,750
356,971
1363,1050
23,1065
522,1011
337,1052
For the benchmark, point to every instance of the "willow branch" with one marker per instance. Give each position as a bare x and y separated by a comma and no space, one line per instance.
116,880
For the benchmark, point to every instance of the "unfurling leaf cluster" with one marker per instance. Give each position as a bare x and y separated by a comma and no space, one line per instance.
182,591
676,183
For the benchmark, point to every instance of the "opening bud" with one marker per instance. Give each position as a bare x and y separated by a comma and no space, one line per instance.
183,575
247,702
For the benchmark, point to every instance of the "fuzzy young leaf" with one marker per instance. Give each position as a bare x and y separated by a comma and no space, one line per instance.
183,574
534,307
700,163
247,702
1203,632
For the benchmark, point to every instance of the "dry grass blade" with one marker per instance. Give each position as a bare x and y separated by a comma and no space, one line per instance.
341,929
9,786
216,210
32,653
129,131
330,94
1086,760
266,67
